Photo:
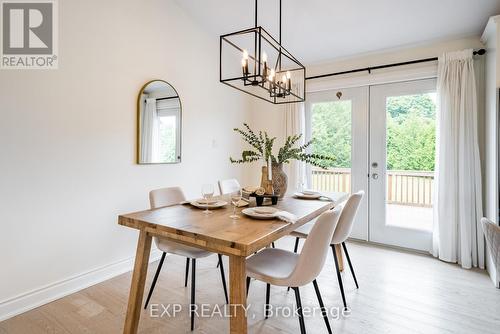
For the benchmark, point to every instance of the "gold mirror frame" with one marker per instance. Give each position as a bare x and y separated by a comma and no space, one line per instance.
138,128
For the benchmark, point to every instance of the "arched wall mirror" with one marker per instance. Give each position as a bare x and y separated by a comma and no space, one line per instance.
159,120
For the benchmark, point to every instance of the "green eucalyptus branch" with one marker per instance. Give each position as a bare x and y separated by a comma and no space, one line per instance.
263,145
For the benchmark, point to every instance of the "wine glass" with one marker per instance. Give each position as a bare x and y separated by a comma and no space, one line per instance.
207,191
235,199
300,186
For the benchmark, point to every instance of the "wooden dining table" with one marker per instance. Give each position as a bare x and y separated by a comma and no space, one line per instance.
218,233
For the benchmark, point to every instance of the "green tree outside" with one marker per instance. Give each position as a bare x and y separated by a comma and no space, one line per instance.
331,130
411,132
167,139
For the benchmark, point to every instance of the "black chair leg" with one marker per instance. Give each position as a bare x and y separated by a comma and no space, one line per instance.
339,276
299,311
266,307
272,244
218,264
193,291
350,264
223,277
248,284
187,273
155,279
323,309
295,249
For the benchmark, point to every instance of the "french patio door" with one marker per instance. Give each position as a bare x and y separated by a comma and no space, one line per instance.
402,144
338,121
383,137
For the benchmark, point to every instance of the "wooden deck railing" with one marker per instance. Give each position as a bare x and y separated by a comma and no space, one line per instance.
414,188
335,179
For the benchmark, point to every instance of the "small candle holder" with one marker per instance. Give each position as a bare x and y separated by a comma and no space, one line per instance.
259,199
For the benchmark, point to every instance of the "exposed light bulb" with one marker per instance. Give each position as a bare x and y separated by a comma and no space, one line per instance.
283,78
271,76
244,63
288,75
264,57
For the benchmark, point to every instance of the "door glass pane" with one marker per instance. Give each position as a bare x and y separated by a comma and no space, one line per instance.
331,131
411,142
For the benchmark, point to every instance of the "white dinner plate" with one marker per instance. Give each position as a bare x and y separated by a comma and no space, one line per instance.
261,212
309,192
201,204
307,195
207,201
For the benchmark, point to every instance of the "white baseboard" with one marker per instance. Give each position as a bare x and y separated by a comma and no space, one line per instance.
46,294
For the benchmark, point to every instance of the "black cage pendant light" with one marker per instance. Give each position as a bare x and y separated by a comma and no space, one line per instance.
254,62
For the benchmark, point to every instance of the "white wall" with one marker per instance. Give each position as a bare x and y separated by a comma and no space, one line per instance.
422,51
492,83
68,137
264,117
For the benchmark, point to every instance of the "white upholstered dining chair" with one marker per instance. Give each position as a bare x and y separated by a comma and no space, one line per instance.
228,186
168,197
284,268
342,232
492,234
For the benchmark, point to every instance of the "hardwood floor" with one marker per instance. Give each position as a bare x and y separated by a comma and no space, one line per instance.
399,292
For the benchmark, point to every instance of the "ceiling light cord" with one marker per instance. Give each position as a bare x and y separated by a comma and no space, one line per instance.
279,37
256,12
280,23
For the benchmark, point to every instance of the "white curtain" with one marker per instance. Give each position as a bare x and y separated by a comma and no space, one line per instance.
294,123
457,233
149,131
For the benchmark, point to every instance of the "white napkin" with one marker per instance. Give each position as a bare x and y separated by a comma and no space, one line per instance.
310,192
189,202
326,198
322,197
286,216
243,202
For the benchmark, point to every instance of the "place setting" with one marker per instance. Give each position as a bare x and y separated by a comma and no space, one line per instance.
208,201
312,195
240,198
269,212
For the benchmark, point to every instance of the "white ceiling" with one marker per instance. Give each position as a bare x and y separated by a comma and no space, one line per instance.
319,30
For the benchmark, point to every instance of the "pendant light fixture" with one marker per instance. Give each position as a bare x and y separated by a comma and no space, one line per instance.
254,62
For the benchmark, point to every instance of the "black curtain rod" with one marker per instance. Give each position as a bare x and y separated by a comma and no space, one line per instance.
370,69
167,98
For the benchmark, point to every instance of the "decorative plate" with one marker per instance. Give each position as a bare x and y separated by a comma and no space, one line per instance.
308,195
214,204
262,212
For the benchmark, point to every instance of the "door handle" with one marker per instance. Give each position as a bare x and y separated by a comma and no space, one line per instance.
375,176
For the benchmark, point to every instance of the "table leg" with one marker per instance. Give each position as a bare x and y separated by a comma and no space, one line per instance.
340,256
238,299
138,282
